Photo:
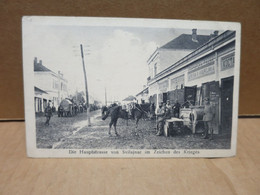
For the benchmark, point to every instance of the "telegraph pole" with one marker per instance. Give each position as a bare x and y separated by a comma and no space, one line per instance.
85,76
105,96
86,85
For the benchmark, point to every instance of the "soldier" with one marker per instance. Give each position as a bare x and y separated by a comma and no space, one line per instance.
160,112
48,114
176,109
152,111
208,118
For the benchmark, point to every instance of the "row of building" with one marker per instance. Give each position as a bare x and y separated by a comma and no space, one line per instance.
192,67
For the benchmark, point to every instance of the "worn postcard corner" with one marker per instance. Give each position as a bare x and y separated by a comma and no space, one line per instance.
130,88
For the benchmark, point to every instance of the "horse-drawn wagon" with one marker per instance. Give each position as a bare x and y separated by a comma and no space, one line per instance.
65,108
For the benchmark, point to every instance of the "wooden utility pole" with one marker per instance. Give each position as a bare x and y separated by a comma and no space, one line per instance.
85,75
105,96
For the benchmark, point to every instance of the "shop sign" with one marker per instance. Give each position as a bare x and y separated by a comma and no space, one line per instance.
163,86
177,82
201,70
227,62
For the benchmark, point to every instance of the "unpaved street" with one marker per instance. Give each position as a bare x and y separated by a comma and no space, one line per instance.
74,133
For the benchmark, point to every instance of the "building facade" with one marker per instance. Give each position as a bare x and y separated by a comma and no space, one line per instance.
143,96
176,49
49,86
207,71
41,99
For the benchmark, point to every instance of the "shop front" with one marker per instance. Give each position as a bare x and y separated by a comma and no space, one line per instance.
200,75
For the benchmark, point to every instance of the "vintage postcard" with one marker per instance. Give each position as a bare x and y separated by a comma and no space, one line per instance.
130,88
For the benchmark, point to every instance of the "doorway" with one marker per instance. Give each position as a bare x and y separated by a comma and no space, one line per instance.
165,97
190,95
226,104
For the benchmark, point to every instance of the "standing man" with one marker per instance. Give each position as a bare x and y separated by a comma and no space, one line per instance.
48,114
207,119
160,112
176,109
152,110
169,109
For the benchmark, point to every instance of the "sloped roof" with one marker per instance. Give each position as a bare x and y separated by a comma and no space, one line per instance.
40,67
185,41
143,91
129,98
36,89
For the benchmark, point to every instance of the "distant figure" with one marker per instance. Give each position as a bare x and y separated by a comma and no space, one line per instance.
53,108
48,114
176,109
208,118
60,111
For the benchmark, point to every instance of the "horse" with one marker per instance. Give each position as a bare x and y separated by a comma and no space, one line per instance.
140,111
115,112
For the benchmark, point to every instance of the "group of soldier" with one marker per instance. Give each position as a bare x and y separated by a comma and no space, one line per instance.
48,113
166,111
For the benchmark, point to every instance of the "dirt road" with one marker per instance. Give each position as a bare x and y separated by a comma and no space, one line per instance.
74,133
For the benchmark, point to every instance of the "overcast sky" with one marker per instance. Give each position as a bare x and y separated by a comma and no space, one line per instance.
115,57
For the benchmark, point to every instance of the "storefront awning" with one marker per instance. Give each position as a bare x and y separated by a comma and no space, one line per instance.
38,90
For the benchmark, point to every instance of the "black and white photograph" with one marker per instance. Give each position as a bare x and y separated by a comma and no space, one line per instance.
130,88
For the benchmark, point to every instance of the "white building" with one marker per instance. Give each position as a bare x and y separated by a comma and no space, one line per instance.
143,96
49,86
176,49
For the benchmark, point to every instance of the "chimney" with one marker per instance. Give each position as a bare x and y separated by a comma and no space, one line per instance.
194,35
35,61
40,62
215,34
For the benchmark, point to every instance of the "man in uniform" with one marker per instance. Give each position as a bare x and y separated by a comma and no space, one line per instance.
160,112
176,109
48,114
152,111
208,118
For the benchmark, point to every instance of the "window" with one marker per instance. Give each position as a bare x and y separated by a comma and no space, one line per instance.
55,84
63,87
155,69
